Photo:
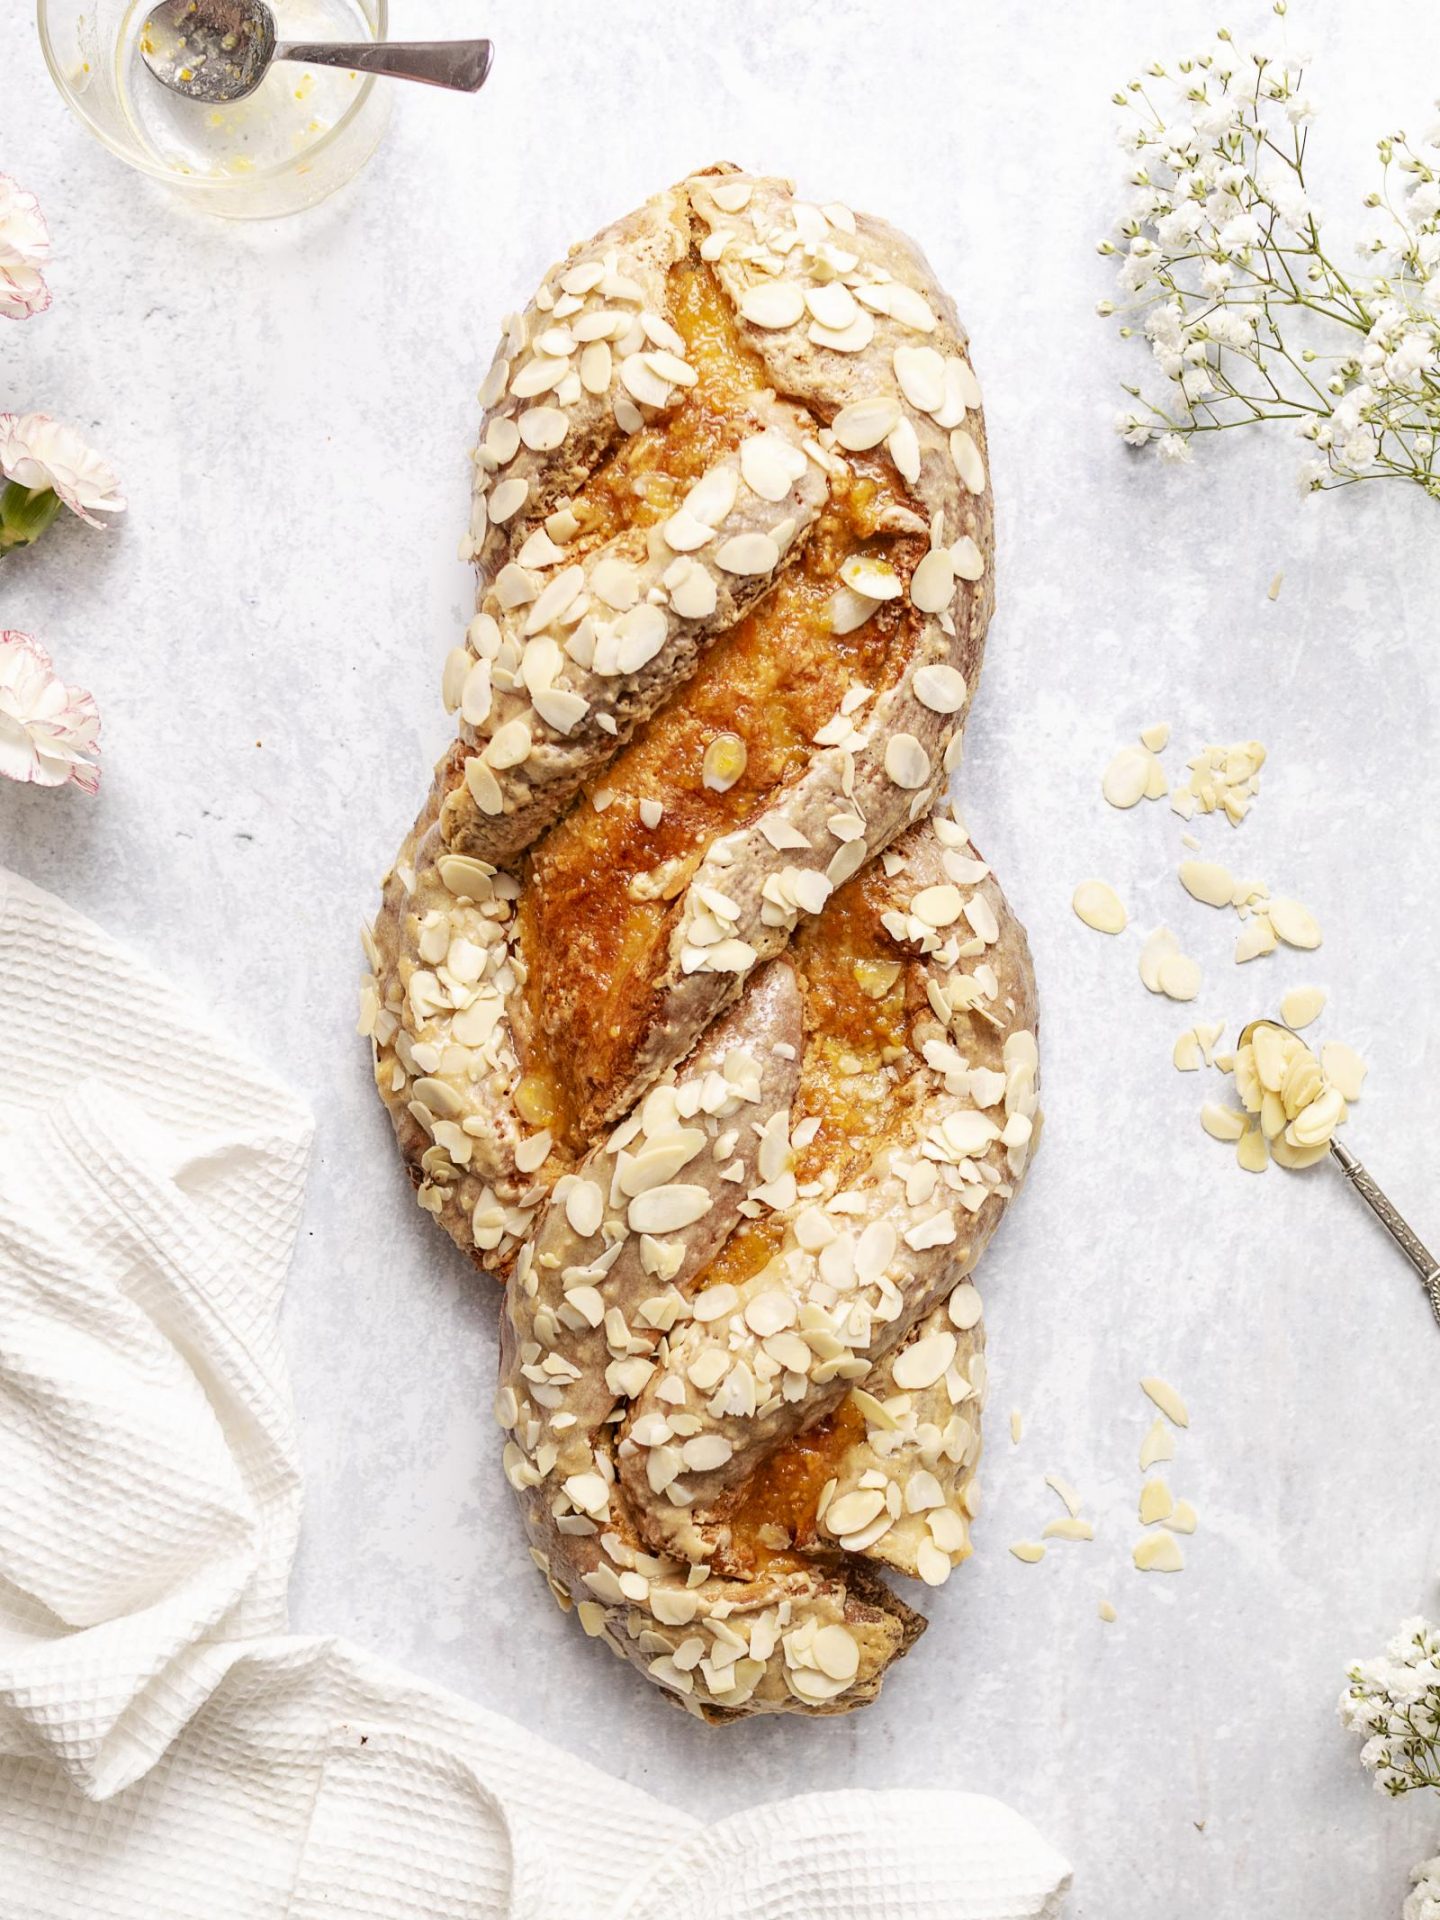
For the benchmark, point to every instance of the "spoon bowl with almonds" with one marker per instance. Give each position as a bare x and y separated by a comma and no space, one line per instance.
1279,1078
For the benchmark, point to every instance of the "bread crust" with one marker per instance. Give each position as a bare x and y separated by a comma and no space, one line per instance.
736,1123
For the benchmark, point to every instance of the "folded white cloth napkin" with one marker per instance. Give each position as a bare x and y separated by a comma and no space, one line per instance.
166,1749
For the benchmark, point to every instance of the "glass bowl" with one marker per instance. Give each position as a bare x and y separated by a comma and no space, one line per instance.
302,134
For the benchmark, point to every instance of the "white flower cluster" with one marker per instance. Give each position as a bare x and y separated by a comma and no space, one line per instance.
1393,1701
1223,271
1423,1902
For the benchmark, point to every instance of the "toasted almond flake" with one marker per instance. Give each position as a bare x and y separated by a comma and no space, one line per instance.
748,553
642,382
706,1452
539,375
1028,1550
852,339
906,762
1300,1006
692,592
832,304
596,367
483,787
509,746
544,428
965,1306
852,1511
1183,1519
731,196
685,534
940,687
462,875
1099,906
902,444
1156,737
1257,937
921,374
875,579
932,1564
937,906
1295,924
585,1208
924,1362
865,423
667,1209
1166,1399
835,1652
1344,1069
968,461
506,500
1070,1528
912,310
725,761
932,584
1107,1613
1158,1552
1185,1054
967,559
770,465
772,304
1208,882
1179,976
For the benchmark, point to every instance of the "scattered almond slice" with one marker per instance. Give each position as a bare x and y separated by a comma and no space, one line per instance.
1208,882
1029,1551
1186,1052
1343,1068
1301,1005
1100,907
1124,781
1257,937
1107,1613
1156,736
1272,592
1166,1399
1070,1528
1158,1552
1222,1123
1156,785
1184,1518
1208,1034
1065,1492
1295,925
1179,976
1160,945
1157,1446
1156,1503
1017,1426
1252,1150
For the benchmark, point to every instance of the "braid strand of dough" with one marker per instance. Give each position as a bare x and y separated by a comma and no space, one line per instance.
697,1022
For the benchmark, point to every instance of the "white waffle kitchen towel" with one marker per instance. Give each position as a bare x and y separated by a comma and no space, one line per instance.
167,1751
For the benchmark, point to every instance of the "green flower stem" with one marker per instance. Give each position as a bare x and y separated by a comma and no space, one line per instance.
25,513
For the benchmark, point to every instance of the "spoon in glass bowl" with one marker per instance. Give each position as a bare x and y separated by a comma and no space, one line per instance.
216,51
1384,1210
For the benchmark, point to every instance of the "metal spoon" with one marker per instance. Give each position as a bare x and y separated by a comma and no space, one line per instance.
215,51
1384,1210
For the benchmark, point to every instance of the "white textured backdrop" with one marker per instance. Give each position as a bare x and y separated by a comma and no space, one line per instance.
291,407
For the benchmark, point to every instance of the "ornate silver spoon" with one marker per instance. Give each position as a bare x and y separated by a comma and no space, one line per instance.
215,51
1384,1210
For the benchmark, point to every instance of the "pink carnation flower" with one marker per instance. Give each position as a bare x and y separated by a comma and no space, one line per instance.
24,249
49,733
37,452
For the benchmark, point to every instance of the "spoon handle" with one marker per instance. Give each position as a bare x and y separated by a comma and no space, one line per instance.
1399,1230
460,65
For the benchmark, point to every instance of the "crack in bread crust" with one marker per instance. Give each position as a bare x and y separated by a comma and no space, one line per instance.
697,1023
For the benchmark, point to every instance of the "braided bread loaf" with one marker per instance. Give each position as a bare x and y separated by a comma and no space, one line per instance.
695,1022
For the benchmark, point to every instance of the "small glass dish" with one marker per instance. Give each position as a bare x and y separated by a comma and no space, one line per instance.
299,136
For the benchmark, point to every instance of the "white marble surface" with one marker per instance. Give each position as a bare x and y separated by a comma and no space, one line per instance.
291,406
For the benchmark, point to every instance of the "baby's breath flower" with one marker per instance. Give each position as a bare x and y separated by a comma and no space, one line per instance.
1423,1902
1393,1701
1223,272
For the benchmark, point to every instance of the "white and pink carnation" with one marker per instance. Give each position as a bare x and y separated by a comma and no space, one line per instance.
24,249
38,452
49,733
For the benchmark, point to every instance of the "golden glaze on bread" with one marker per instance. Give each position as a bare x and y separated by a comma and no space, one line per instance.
693,1021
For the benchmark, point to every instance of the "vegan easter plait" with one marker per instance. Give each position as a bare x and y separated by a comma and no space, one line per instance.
696,1023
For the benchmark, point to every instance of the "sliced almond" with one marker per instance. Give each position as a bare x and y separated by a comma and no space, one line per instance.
1099,906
